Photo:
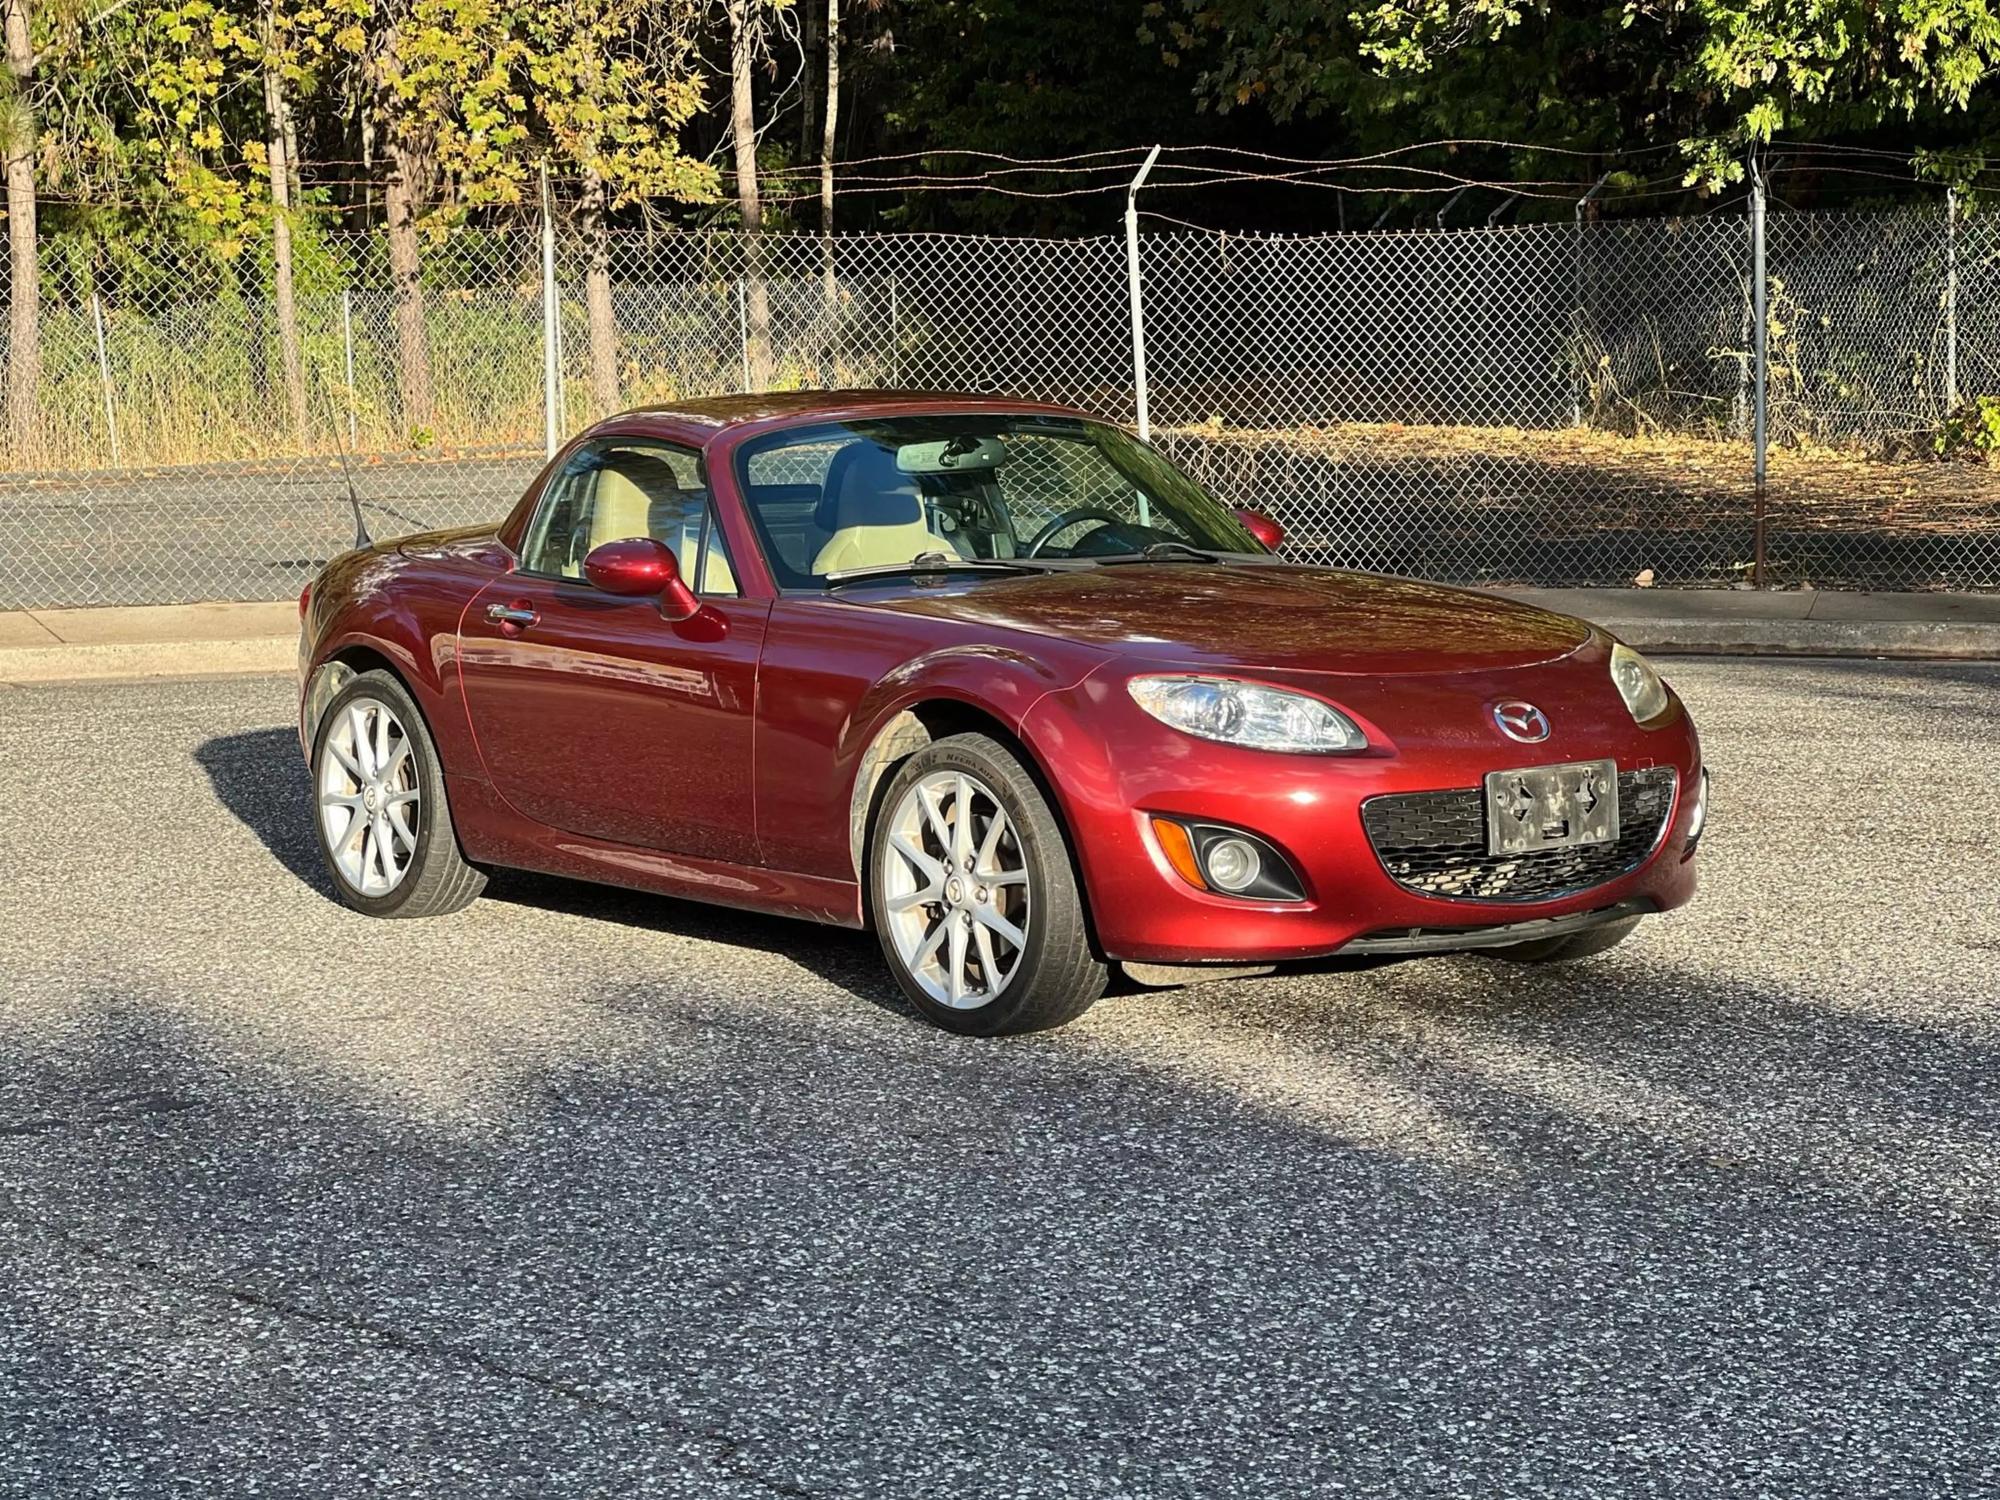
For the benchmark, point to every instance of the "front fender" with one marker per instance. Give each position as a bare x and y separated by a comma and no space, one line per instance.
998,682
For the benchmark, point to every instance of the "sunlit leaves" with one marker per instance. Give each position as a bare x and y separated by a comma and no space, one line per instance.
1721,71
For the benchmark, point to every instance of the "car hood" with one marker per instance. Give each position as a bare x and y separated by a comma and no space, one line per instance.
1276,618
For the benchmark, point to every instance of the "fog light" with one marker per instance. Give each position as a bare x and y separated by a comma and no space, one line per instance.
1231,864
1698,819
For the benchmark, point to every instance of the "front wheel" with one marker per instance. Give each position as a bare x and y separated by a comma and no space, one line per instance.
972,894
384,827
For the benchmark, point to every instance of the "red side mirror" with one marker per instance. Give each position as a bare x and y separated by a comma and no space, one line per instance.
1261,526
638,567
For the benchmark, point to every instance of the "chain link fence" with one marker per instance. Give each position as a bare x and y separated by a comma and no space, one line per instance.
1540,404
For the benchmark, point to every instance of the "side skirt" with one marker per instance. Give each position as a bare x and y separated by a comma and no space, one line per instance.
492,833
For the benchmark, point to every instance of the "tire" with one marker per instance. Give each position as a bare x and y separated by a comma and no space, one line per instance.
1562,950
1021,882
425,875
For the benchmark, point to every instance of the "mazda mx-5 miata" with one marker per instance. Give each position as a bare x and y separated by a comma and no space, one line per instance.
994,679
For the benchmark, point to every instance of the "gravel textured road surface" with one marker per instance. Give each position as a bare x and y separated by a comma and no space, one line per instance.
227,531
581,1193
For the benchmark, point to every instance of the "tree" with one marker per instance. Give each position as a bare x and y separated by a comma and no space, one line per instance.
745,41
409,125
608,85
24,348
279,145
594,90
826,148
1715,73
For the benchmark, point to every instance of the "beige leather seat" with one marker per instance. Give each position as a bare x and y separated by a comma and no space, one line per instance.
638,494
874,511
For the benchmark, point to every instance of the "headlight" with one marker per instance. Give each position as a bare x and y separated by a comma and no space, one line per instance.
1638,684
1246,713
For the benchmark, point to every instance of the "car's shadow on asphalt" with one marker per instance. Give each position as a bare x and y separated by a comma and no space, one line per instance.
841,956
258,778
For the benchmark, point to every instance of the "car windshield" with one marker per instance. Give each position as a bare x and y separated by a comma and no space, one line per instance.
986,492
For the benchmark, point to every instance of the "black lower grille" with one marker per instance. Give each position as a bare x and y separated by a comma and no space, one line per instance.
1434,843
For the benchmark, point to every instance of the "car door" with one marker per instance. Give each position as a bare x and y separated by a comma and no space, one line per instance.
595,714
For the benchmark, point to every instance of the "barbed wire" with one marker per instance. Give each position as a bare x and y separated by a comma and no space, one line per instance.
1021,178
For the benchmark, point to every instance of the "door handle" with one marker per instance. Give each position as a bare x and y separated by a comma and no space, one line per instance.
508,614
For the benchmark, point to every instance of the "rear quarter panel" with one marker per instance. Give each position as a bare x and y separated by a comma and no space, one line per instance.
402,602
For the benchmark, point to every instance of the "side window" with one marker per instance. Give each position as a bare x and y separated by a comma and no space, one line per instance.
786,488
611,491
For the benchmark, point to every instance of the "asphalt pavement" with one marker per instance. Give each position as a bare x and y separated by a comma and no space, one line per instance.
227,531
584,1193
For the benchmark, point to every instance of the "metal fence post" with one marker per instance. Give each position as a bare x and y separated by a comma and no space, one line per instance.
895,335
743,328
551,360
1138,308
347,359
1761,418
1740,411
1578,379
104,376
1950,300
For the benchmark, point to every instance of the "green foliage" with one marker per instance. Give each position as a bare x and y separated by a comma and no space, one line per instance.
1971,432
1715,73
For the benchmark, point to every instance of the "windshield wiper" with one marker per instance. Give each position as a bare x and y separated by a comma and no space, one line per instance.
1163,551
937,562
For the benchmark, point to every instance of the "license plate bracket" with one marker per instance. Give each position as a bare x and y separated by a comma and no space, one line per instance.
1551,807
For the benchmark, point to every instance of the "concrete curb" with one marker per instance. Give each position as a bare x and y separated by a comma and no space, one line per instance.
1900,640
1733,622
24,666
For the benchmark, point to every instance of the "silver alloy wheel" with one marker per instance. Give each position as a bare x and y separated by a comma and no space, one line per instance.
368,800
954,889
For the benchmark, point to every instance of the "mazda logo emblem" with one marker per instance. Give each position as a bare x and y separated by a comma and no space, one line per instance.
1521,721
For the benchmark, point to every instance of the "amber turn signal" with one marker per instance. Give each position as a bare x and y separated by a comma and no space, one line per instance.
1179,849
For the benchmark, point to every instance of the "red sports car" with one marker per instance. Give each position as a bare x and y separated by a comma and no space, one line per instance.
994,679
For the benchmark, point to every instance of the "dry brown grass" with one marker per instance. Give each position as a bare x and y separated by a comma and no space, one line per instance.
1814,486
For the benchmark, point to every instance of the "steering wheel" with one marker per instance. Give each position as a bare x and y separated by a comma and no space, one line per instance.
1066,520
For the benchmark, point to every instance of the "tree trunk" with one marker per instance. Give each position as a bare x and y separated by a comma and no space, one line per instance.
24,347
597,294
830,287
278,146
827,138
291,129
413,347
743,28
808,86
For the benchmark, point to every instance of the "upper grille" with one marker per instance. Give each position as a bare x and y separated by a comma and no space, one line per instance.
1434,843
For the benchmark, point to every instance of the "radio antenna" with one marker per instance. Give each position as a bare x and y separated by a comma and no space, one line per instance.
361,536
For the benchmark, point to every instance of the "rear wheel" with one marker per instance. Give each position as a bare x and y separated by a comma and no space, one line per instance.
972,894
384,826
1560,950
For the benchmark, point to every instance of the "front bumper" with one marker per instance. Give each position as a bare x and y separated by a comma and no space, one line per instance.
1419,940
1115,767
